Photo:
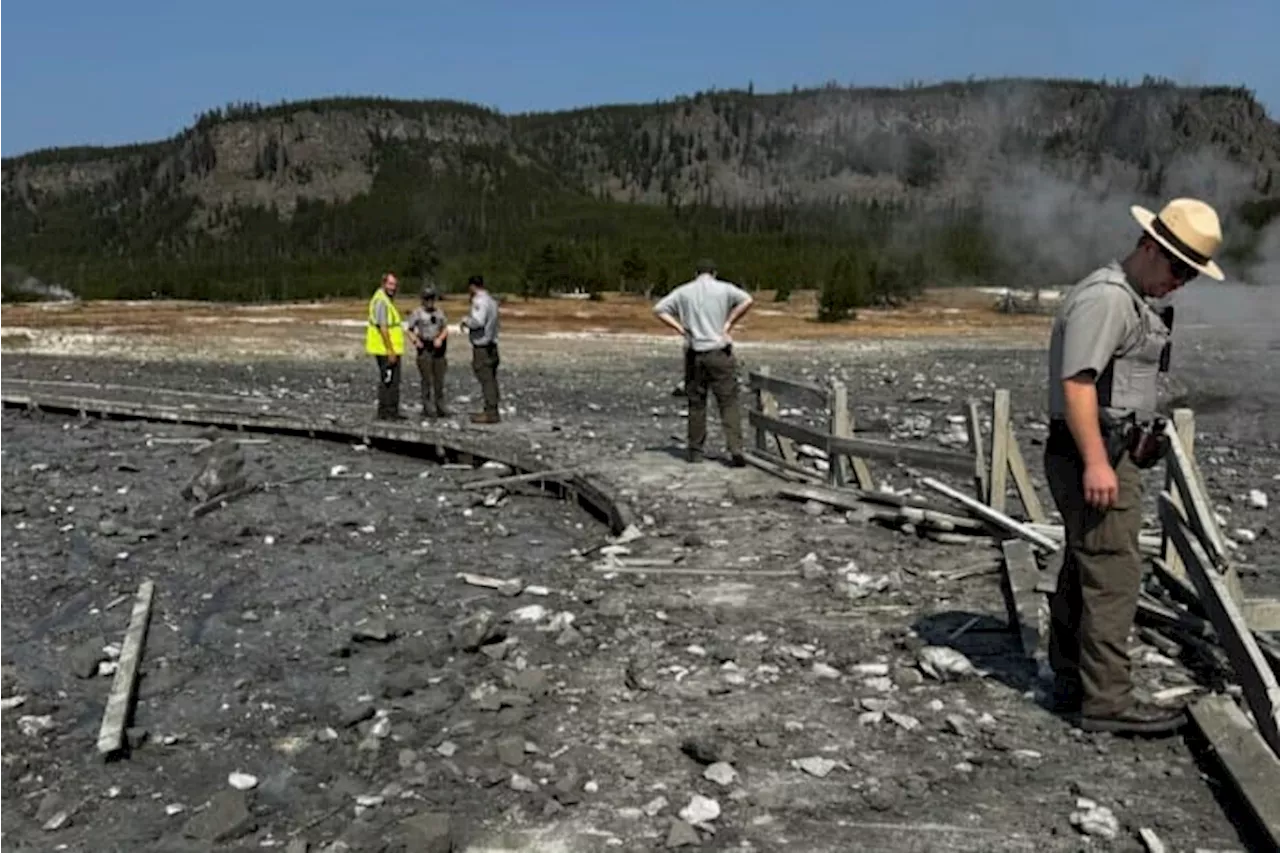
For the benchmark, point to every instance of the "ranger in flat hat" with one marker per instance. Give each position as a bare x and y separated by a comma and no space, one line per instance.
1107,347
428,330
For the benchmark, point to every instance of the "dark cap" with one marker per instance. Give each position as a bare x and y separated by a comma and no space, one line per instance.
428,292
477,280
706,265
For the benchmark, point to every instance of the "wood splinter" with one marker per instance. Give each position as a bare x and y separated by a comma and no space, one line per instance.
111,738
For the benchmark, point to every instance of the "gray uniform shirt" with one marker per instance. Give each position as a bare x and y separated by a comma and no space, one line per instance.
482,322
1101,318
702,306
426,324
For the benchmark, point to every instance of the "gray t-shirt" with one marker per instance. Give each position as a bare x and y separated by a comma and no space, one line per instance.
1093,324
702,306
426,324
380,312
482,322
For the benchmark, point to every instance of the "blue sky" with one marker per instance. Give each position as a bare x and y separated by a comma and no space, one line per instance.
77,72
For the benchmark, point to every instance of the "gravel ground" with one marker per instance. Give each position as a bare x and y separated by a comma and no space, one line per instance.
797,703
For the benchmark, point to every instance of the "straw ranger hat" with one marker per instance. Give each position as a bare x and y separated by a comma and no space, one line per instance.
1187,227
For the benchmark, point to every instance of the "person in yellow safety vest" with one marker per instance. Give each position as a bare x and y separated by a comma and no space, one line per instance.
384,340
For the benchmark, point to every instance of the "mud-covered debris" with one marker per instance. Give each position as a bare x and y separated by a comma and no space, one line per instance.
510,750
943,663
721,772
84,659
226,819
428,832
708,749
470,632
640,673
355,711
221,471
373,630
682,834
814,765
700,810
1095,820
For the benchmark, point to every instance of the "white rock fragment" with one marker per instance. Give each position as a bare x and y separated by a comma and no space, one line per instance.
700,810
824,670
242,781
10,702
1093,819
654,806
871,669
1245,535
33,725
523,783
529,613
721,772
447,748
941,662
906,721
814,765
1257,499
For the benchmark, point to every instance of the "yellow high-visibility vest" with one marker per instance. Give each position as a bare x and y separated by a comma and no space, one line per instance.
373,337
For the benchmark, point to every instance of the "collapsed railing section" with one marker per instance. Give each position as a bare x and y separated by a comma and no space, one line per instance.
1194,604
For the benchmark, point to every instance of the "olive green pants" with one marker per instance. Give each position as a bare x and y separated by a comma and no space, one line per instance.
431,370
713,371
1096,599
485,363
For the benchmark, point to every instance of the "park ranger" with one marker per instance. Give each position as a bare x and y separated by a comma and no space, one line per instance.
704,312
428,331
481,325
1106,349
384,340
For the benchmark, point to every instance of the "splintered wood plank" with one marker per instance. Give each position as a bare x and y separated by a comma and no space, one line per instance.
1262,614
983,511
842,427
1258,682
1022,480
980,481
1022,602
1000,432
1184,425
769,408
124,688
1253,769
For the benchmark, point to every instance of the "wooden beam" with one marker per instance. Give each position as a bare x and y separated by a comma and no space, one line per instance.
768,406
998,518
1022,480
1184,426
779,468
980,480
115,719
1253,770
1262,614
903,454
842,427
1258,682
1022,604
1199,514
1000,433
763,380
532,476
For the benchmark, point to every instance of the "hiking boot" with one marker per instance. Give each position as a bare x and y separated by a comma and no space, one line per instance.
692,455
738,461
391,416
442,412
485,418
1139,718
1067,696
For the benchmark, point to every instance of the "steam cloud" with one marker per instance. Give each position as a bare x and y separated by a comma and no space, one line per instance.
32,286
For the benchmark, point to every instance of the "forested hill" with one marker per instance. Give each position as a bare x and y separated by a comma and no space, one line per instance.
928,184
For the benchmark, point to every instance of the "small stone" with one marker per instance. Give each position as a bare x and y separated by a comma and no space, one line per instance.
655,806
814,765
682,834
823,670
528,614
591,786
406,758
226,819
523,784
428,832
373,630
721,772
242,781
1095,820
511,751
1257,499
706,750
767,740
700,810
447,749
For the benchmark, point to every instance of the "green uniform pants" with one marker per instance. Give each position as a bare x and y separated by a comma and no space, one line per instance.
713,371
1096,599
484,362
431,370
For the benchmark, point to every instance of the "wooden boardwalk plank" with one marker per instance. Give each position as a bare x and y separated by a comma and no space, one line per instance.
124,688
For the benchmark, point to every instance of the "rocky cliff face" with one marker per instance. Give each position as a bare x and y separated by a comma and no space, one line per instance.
935,145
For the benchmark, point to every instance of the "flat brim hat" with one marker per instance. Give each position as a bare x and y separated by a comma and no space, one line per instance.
428,293
1187,227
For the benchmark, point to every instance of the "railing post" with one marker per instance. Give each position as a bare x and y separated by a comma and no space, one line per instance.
1184,424
999,450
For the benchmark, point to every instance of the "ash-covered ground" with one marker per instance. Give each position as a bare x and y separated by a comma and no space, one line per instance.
797,703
